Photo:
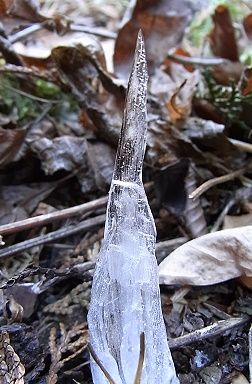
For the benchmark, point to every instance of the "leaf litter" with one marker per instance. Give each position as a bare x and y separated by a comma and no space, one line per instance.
60,119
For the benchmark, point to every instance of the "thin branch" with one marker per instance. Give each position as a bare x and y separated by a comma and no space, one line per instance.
218,328
52,236
99,363
140,360
38,221
215,181
204,61
46,75
101,32
242,145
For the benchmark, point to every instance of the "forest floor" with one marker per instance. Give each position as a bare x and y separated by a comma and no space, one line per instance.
64,69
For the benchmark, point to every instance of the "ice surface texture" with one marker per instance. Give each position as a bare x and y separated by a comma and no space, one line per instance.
125,298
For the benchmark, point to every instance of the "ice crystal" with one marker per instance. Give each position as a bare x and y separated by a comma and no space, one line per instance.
125,298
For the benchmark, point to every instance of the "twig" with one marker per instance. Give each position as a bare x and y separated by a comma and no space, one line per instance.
52,236
8,53
215,181
38,221
222,215
100,365
46,75
73,28
242,145
24,33
215,329
204,61
240,194
78,269
140,360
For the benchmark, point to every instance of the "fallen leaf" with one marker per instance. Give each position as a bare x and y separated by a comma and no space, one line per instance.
246,82
17,202
240,379
237,221
97,94
11,141
207,134
210,259
173,185
24,9
170,186
222,37
180,104
163,24
25,295
101,159
62,153
247,24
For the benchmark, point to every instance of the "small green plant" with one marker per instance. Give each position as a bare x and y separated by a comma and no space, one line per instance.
228,100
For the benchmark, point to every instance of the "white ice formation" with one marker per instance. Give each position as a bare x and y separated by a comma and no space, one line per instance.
125,298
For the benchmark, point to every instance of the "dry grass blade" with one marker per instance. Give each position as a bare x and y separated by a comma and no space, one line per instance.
98,362
141,360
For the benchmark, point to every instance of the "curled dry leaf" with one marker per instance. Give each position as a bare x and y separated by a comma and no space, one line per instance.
180,104
13,311
222,37
11,141
210,259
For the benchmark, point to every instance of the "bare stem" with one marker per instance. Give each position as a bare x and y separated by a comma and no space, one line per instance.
141,360
215,181
100,365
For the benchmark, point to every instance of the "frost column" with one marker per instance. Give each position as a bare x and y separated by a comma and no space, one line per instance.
125,298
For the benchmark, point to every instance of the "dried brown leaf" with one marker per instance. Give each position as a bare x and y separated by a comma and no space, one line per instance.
11,141
17,202
173,186
13,311
210,259
24,9
246,82
247,24
180,104
163,24
222,37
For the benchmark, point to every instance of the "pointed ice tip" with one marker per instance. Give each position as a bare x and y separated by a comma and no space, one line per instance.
140,35
140,49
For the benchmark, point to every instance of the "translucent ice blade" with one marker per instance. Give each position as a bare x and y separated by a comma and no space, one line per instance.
125,298
132,142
